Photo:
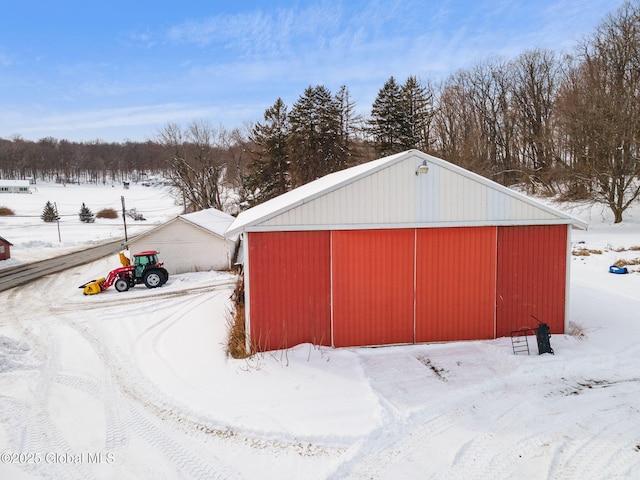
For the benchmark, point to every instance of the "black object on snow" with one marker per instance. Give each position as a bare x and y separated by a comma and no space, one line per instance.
544,339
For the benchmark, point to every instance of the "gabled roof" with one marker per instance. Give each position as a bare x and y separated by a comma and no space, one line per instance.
211,220
388,192
4,240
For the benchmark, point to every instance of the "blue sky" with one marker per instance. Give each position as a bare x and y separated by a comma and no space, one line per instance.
117,71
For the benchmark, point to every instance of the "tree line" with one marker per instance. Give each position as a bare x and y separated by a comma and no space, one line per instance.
558,124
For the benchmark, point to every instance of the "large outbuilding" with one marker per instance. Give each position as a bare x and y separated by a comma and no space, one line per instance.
405,249
193,242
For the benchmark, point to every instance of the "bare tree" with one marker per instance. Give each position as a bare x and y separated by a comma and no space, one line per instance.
454,125
536,76
473,124
600,111
196,166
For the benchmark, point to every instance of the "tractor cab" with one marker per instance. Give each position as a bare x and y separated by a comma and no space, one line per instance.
144,259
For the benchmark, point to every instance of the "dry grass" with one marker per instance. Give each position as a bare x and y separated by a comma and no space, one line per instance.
107,213
623,262
635,248
237,343
576,330
6,212
585,252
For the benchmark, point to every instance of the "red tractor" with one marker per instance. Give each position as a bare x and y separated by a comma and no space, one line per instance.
145,269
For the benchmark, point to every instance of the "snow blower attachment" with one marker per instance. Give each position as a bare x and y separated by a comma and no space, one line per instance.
145,269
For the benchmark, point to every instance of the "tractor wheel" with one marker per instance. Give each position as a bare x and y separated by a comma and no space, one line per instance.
153,278
122,285
165,276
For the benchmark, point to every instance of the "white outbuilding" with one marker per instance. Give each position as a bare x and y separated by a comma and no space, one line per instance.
192,242
14,186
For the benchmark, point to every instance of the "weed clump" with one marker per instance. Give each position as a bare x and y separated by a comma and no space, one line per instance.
576,330
622,262
585,252
107,213
237,342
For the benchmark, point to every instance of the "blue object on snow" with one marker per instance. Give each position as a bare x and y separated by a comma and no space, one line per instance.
614,269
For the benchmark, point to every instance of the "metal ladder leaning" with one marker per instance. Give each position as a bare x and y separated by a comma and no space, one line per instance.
520,340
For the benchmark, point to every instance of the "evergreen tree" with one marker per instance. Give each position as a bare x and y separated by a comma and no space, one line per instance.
387,125
350,126
417,104
86,215
268,170
401,117
314,138
49,214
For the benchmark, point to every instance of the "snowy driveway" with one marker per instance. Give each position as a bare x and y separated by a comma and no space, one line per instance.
137,385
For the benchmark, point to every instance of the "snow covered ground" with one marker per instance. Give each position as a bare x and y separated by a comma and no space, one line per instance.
137,384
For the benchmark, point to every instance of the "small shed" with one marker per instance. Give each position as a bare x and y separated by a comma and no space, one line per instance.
405,249
5,249
192,242
14,186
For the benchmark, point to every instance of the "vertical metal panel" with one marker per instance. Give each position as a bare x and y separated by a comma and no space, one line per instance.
455,283
372,287
395,194
386,196
289,279
532,266
499,205
461,198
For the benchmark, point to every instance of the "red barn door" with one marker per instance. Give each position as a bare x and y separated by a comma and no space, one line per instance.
532,276
289,275
372,287
455,283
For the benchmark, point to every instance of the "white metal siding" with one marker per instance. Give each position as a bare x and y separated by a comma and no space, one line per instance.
461,199
396,195
185,248
382,197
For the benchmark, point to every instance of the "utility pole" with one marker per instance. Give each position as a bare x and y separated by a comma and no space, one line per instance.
124,219
55,204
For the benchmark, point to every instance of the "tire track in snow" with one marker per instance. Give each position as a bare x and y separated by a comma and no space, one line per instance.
146,394
451,405
129,388
488,454
608,452
115,434
115,430
398,434
146,426
12,412
139,421
39,433
119,299
137,397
